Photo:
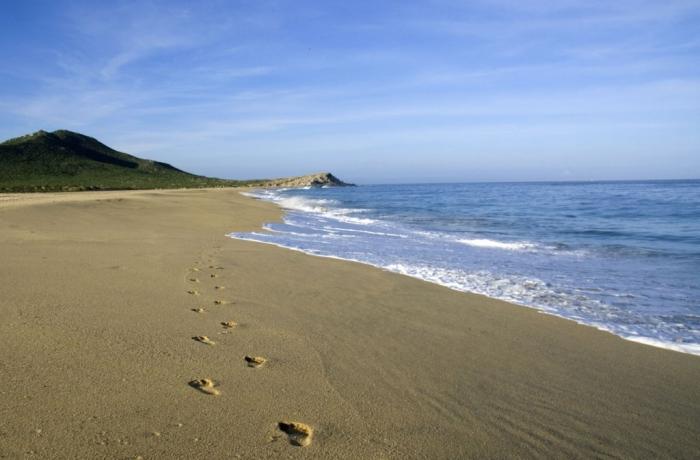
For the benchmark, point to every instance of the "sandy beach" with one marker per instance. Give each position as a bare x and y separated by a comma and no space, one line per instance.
113,306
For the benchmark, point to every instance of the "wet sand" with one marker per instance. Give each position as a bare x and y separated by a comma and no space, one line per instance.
132,326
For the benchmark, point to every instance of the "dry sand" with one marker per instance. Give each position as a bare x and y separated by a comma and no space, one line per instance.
97,358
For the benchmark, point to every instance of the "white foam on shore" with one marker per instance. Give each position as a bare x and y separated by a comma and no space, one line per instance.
492,244
690,348
484,243
322,207
304,204
366,232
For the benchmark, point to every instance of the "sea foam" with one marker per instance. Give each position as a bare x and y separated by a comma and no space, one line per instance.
486,243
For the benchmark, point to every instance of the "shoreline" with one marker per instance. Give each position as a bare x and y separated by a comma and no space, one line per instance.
680,347
689,349
98,352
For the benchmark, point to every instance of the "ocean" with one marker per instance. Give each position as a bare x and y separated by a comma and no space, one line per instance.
623,257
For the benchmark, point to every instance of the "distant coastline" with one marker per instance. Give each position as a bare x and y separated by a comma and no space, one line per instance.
66,161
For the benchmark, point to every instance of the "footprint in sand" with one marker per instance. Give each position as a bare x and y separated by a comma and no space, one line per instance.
214,276
198,310
219,287
194,280
220,302
193,292
255,361
229,324
299,434
203,339
205,386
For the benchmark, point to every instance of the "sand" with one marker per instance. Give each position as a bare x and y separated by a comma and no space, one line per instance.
98,360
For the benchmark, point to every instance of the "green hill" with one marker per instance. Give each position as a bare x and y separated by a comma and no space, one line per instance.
68,161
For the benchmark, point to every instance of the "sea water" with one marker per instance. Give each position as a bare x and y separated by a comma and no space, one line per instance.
620,256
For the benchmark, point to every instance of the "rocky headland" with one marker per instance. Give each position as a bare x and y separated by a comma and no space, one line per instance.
322,179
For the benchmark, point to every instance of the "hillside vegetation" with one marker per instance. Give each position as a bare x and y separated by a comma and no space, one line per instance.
67,161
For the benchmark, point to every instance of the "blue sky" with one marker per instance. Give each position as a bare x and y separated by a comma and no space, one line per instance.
376,92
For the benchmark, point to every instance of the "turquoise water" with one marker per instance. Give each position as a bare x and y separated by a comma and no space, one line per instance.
620,256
